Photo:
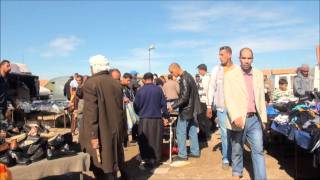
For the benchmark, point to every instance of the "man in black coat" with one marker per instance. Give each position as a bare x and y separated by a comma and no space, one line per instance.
189,108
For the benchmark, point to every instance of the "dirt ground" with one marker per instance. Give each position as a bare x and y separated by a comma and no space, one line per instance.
280,163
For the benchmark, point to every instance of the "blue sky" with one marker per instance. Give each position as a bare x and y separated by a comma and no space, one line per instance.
58,38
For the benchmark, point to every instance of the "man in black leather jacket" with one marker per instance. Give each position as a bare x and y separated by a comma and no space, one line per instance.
189,107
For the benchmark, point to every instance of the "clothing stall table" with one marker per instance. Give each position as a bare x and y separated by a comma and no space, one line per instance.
300,138
45,168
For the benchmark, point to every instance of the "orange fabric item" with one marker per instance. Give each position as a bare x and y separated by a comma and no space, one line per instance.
5,173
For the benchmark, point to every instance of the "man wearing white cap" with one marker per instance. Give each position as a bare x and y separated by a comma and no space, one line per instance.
100,133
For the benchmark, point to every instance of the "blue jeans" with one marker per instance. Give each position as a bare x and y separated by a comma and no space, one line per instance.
225,136
183,126
253,134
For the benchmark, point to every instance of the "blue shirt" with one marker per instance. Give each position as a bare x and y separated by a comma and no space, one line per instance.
150,102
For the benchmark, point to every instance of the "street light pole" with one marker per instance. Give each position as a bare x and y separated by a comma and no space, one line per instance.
149,60
151,47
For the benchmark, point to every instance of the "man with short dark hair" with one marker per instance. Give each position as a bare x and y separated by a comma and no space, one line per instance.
5,68
204,122
66,89
189,108
128,98
216,100
150,105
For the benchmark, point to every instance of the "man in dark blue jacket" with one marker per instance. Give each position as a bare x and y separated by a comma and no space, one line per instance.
151,106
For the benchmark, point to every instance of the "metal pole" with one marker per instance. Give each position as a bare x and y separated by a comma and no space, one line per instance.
149,61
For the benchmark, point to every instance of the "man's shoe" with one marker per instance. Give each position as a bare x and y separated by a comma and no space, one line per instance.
225,166
193,156
178,158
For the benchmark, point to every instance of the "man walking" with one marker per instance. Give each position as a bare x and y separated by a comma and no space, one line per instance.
245,101
216,100
103,118
189,108
150,104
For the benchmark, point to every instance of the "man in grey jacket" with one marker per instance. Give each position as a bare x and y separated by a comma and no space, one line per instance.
303,83
215,99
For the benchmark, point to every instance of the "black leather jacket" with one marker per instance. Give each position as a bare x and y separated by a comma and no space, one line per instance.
188,101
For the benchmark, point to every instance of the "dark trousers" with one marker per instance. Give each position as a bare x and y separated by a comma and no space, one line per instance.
134,132
150,139
204,124
99,174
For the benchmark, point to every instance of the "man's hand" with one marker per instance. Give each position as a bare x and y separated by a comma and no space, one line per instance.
165,122
95,143
238,122
170,108
209,112
263,126
126,100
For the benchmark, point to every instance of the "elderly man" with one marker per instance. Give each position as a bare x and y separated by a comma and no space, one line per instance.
245,102
303,83
5,69
189,108
100,133
216,100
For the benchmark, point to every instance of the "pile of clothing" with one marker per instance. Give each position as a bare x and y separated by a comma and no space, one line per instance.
32,143
54,106
301,115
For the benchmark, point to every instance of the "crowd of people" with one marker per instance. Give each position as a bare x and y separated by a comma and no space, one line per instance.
108,106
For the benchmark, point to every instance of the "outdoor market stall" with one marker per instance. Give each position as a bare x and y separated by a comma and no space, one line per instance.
299,121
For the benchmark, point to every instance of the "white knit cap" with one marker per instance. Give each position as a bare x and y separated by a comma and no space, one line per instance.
99,63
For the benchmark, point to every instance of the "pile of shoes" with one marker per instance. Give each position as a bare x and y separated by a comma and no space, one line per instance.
25,145
59,146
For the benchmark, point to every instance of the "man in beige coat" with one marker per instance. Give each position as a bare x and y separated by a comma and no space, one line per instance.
245,101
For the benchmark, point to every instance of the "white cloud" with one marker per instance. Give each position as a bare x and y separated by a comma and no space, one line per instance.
61,46
182,44
229,17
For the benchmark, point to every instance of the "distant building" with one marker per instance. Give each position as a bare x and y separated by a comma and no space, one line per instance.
276,74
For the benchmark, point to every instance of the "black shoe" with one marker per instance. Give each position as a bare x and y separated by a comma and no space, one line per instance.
57,142
193,156
6,159
38,155
225,166
18,156
178,158
63,152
